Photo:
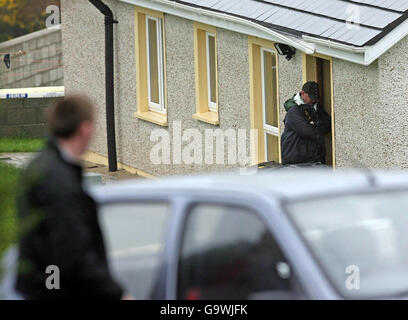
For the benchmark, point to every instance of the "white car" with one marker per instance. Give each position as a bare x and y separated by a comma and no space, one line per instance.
283,234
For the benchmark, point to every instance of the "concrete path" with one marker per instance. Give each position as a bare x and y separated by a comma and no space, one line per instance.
95,174
19,160
99,174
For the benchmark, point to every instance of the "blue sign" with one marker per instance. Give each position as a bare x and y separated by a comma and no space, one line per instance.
17,96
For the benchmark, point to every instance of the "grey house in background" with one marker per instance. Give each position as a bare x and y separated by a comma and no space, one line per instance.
230,65
31,81
35,60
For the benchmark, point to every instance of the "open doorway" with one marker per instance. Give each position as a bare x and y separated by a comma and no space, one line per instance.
319,69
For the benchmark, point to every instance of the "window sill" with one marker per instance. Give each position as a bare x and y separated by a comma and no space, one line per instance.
150,116
208,117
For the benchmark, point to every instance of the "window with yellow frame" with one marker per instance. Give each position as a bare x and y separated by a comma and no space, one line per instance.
150,66
264,99
270,104
205,50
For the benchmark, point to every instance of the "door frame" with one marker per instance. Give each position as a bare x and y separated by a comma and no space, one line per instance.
313,77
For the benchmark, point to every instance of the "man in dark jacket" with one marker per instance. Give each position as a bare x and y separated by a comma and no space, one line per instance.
306,124
61,249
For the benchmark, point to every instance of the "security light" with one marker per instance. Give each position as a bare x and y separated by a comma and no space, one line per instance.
285,50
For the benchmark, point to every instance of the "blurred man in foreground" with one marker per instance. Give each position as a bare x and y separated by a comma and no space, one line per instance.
61,249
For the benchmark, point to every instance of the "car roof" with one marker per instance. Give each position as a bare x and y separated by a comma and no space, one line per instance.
280,184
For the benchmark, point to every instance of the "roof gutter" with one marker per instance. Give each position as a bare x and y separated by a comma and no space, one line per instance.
361,55
310,45
339,50
109,85
307,44
224,21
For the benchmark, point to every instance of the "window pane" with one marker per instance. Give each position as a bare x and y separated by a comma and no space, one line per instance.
134,236
212,66
272,148
270,88
368,231
153,55
228,253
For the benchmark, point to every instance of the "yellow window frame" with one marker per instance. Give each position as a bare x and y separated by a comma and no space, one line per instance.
143,111
203,112
255,46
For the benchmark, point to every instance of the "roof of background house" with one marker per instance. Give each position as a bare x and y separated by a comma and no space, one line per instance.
324,19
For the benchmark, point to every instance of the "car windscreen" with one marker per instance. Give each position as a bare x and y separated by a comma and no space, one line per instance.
360,241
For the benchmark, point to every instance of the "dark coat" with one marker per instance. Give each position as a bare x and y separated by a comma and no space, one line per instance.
59,226
303,141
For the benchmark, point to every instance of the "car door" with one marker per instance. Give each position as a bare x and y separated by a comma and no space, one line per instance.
135,235
228,252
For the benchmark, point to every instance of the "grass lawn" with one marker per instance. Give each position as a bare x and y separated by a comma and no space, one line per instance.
8,187
20,144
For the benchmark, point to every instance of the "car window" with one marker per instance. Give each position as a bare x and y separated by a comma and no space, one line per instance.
228,253
134,236
360,240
